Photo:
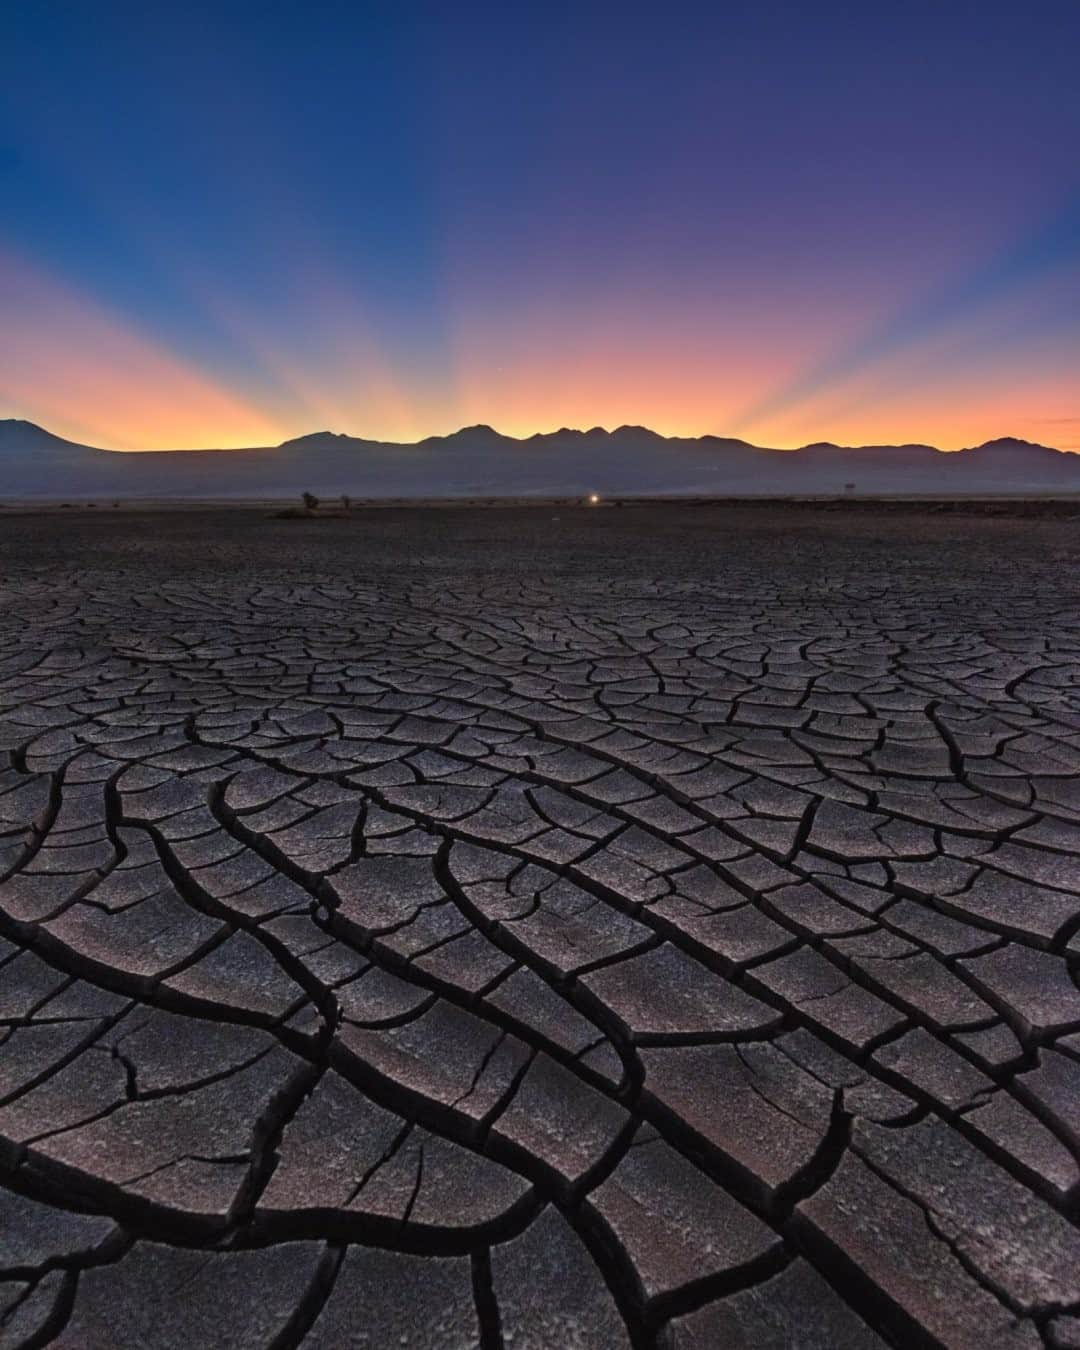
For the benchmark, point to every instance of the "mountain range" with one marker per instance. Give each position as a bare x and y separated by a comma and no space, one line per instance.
481,462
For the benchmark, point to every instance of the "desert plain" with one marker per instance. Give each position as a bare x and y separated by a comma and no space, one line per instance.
541,927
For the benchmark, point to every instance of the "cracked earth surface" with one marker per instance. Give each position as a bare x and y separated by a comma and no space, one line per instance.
638,928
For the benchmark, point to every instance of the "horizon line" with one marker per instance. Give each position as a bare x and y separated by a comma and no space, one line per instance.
486,427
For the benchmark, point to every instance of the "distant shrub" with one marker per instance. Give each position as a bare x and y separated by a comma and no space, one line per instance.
311,502
346,501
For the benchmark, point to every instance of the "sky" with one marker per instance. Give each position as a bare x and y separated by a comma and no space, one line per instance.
228,224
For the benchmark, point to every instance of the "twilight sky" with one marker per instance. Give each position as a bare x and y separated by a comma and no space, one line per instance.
224,224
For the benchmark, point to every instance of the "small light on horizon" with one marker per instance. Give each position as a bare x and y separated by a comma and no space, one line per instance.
594,498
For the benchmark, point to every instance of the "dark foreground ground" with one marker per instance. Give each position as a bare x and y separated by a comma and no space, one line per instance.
540,928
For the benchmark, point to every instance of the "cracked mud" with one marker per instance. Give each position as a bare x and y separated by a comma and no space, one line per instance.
655,927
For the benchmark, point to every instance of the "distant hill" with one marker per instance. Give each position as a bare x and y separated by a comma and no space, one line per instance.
480,461
24,446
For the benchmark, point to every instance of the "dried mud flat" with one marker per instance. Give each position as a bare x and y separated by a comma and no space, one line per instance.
540,928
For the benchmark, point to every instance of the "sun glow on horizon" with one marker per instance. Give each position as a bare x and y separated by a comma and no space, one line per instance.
944,370
89,373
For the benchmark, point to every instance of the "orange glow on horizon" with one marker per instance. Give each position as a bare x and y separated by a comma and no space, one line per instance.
91,375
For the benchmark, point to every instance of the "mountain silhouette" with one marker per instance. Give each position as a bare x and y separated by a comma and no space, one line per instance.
480,461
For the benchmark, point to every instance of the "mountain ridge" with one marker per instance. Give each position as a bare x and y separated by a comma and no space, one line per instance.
480,461
482,431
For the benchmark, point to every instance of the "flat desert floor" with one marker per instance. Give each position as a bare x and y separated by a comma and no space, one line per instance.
548,927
